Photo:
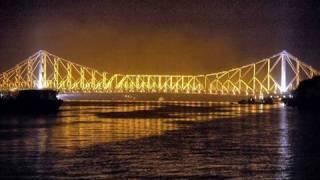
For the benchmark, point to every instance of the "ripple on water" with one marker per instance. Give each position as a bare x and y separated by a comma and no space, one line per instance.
101,140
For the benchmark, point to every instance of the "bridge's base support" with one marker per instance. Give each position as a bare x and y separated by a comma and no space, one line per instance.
150,97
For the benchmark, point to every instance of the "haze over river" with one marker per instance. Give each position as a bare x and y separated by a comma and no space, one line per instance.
161,139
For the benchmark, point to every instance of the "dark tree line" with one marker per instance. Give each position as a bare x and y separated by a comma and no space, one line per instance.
307,95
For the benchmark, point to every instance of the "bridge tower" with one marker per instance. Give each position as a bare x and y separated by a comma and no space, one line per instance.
283,85
42,72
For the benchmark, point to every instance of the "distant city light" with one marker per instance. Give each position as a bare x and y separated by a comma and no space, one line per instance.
68,96
261,96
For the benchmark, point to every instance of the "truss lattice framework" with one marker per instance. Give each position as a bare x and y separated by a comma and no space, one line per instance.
274,75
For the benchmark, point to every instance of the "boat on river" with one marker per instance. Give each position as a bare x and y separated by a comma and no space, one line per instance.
251,100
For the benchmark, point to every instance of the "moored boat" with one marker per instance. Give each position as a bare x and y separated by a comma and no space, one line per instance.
251,100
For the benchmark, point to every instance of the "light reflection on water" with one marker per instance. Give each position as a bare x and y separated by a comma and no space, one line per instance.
79,127
148,139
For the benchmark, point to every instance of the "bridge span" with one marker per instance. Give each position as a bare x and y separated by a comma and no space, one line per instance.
277,74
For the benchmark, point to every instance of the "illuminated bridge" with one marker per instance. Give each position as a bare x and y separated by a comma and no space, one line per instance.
277,74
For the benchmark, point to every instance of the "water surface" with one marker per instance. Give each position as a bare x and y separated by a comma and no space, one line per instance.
169,139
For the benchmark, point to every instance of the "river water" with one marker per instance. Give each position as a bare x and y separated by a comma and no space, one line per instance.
102,140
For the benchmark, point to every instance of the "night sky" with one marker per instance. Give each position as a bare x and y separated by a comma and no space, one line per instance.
159,36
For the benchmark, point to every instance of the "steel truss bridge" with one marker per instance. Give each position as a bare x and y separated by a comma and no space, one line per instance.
277,74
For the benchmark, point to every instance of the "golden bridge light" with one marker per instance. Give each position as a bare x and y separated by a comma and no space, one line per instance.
45,70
